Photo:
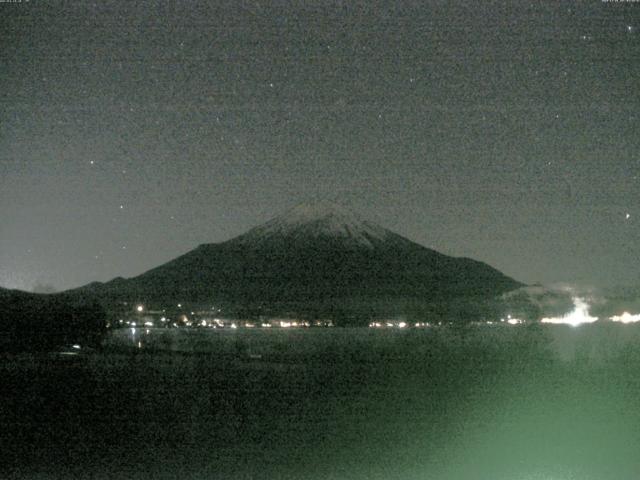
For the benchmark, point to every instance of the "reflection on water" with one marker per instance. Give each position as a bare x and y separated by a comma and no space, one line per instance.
503,402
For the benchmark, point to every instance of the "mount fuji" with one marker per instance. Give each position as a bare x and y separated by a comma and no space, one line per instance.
315,259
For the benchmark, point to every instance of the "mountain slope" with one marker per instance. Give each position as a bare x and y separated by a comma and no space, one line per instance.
313,254
41,322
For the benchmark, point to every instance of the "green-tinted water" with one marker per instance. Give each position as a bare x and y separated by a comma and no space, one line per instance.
547,402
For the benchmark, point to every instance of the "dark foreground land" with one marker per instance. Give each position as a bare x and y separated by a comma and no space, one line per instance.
476,403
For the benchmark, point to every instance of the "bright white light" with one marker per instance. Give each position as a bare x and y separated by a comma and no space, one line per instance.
512,320
233,325
402,324
579,315
626,317
285,324
148,324
76,346
140,308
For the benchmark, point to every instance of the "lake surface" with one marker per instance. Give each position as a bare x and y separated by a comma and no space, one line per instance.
486,402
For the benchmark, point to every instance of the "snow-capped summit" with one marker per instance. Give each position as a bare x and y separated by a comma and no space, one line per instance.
319,219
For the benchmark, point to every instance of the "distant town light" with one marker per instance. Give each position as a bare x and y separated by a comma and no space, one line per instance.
140,308
579,315
626,317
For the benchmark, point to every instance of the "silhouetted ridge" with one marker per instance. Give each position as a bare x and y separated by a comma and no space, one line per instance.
312,256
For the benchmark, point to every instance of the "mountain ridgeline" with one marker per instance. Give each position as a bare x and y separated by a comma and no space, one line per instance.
39,322
317,260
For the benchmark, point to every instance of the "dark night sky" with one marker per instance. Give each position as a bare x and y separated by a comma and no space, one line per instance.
131,132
